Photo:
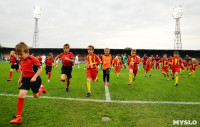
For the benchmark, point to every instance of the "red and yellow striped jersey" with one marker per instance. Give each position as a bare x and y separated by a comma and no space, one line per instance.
92,59
175,61
118,63
134,59
193,65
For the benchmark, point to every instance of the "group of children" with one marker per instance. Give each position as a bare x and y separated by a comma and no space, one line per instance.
31,69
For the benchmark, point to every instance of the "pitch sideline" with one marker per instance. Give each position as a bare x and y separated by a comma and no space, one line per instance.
112,101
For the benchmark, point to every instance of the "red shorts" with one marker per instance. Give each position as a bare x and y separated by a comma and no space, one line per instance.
135,69
192,69
175,69
144,62
164,69
157,64
92,73
148,68
117,69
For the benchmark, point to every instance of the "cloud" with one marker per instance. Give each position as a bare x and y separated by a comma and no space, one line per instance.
115,23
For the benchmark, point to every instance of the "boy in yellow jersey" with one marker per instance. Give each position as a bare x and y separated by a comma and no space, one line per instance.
193,66
92,62
107,62
117,64
176,63
133,62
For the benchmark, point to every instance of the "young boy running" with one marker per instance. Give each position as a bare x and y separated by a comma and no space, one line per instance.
48,65
124,60
14,64
157,58
193,66
29,78
133,62
117,64
148,67
92,62
176,63
144,58
164,66
67,62
107,63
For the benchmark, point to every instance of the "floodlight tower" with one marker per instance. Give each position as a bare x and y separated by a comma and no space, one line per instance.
36,30
177,15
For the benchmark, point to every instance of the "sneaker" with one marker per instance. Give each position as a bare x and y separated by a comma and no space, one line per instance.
44,90
133,79
117,78
168,79
176,84
164,75
48,80
150,75
130,83
172,77
107,84
67,90
194,77
88,94
9,79
145,76
16,120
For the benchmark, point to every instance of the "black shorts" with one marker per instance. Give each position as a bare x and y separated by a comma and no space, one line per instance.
67,70
48,69
41,63
107,71
35,86
15,67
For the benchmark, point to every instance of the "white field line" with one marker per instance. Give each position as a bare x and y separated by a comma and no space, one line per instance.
113,101
107,94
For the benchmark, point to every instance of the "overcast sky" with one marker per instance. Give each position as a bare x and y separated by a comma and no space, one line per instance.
140,24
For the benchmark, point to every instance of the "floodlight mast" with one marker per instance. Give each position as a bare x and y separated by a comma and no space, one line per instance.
36,30
177,14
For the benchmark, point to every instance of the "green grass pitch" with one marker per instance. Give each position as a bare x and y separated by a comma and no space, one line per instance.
61,113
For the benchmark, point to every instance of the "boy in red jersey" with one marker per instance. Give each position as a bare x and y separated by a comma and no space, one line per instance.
133,62
67,62
48,65
117,64
144,58
184,66
164,66
193,66
148,67
153,60
92,62
14,64
157,58
187,60
29,78
107,63
176,64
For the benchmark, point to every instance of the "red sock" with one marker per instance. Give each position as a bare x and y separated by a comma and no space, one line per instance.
10,75
40,91
49,75
20,104
68,82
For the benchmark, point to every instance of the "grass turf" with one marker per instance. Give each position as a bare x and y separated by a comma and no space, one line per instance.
52,112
